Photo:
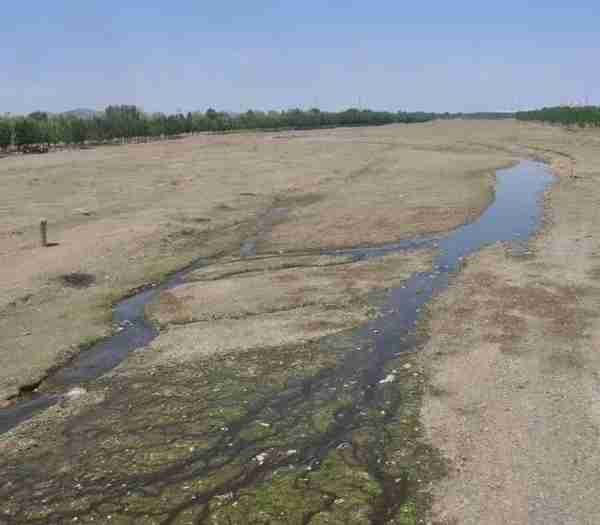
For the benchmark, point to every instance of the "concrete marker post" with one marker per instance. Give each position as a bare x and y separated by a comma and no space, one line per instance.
44,232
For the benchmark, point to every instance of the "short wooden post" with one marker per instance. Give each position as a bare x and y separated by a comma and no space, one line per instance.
44,232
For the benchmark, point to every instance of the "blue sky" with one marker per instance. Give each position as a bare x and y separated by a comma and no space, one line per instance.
461,55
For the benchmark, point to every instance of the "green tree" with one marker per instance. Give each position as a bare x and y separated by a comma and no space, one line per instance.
40,116
5,133
78,131
27,132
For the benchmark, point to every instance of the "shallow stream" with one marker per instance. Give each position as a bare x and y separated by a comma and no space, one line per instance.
513,216
321,433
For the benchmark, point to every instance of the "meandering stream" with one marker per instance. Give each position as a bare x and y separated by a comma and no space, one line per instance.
513,216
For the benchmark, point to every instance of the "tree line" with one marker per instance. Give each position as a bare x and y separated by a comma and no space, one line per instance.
124,122
582,116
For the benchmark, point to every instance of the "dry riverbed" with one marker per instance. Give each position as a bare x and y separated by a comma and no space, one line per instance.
126,216
230,414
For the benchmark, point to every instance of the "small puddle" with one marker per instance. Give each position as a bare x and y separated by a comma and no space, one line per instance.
513,216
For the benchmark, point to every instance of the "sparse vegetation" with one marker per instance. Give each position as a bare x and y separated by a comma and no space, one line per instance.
78,279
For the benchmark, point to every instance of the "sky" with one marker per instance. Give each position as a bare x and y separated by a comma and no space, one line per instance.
461,55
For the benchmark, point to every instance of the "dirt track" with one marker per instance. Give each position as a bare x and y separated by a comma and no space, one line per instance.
509,405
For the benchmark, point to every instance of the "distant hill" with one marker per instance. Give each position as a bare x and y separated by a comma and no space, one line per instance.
82,113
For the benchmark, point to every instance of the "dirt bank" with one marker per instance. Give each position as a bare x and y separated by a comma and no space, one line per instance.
520,433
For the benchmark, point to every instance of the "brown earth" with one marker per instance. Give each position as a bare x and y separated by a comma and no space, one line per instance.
511,363
328,286
272,302
128,215
514,365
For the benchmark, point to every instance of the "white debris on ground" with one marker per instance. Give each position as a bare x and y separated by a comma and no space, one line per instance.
388,379
260,458
76,392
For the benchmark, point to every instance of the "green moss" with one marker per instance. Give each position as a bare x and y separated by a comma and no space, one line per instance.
407,515
89,342
281,500
257,430
197,430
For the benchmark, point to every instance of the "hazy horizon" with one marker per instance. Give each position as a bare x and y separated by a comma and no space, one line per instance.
233,56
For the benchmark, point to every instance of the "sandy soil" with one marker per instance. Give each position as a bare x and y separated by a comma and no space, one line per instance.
511,367
329,286
520,434
265,305
128,215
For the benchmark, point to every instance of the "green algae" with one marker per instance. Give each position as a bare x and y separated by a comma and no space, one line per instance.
407,515
258,438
